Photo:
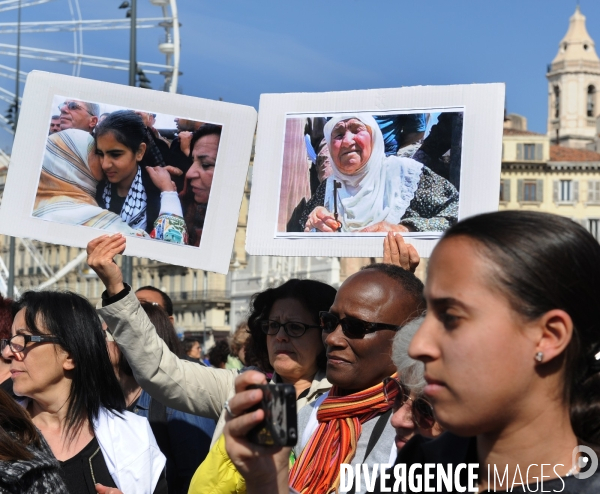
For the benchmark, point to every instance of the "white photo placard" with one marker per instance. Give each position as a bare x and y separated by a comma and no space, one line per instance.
166,170
334,172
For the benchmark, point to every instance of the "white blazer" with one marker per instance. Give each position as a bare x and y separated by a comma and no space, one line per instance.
129,449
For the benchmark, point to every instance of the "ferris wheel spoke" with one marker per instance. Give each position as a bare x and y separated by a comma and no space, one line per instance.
62,56
12,71
5,93
77,25
5,125
14,4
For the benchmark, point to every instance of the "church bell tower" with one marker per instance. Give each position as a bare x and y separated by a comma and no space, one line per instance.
573,85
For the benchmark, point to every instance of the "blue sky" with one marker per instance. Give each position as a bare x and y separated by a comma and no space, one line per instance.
237,49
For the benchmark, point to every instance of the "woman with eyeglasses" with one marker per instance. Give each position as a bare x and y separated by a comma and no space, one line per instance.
60,367
286,339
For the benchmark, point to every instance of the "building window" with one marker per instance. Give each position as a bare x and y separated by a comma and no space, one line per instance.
566,191
591,99
529,151
529,191
594,227
566,194
504,190
593,192
557,101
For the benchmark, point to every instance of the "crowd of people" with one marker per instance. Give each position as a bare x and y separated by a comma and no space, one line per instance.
495,362
116,172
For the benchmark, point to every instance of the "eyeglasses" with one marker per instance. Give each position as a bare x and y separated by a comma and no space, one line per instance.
351,326
292,329
71,105
18,342
422,411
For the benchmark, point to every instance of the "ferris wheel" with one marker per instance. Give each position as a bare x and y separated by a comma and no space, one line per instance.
52,38
49,35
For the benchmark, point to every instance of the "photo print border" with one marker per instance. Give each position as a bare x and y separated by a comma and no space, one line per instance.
482,106
238,125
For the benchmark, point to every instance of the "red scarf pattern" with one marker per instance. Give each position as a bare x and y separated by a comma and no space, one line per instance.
317,469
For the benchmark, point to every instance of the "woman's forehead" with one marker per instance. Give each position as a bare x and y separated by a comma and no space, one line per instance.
350,122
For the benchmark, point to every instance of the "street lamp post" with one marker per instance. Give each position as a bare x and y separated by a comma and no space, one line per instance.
132,44
10,291
126,261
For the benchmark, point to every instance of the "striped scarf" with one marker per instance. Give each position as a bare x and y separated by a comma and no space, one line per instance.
317,469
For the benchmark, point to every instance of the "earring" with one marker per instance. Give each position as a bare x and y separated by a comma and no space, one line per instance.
539,356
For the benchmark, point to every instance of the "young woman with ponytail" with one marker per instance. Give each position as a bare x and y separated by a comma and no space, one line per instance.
511,347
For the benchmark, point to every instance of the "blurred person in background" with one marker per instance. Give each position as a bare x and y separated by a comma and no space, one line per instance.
236,359
218,354
54,124
155,296
193,350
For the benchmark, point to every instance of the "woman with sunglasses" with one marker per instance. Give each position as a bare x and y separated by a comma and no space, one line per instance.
412,414
350,424
60,366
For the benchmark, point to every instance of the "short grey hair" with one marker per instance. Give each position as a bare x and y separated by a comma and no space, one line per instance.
93,108
410,371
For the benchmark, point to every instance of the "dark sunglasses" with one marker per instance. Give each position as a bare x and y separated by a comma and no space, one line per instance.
351,326
71,105
18,342
292,329
422,411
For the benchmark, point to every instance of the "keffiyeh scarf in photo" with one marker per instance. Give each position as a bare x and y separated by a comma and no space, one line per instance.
133,211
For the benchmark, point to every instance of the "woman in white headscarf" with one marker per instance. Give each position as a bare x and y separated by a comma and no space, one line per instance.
376,193
70,173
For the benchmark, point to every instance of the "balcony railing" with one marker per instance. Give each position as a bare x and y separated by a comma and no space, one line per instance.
202,295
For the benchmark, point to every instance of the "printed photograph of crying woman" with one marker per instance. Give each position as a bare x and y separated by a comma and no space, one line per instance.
370,172
129,171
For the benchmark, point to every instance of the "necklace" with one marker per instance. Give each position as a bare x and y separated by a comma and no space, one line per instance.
134,399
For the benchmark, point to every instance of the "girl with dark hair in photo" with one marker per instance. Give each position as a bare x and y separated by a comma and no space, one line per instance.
139,196
60,366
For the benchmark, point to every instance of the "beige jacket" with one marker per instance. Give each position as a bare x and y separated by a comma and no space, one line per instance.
177,383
